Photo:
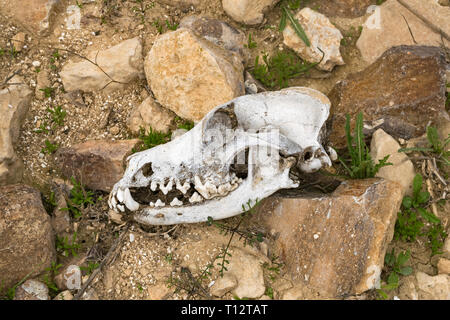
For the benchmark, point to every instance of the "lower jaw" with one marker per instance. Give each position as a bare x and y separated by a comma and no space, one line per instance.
217,208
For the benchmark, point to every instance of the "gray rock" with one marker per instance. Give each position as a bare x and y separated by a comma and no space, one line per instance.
32,290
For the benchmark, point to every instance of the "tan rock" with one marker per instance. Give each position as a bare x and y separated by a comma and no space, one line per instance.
247,270
247,11
42,82
322,35
387,28
191,76
64,295
150,114
36,16
341,8
294,293
223,285
402,170
218,32
18,41
60,217
14,104
32,290
26,236
98,164
443,266
393,93
121,64
90,294
334,244
69,278
433,287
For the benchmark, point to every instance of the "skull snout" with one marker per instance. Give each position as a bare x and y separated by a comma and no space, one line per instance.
312,159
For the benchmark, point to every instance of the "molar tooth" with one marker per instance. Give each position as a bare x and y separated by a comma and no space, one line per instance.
120,195
175,202
159,203
121,207
129,201
224,188
211,189
195,198
153,185
152,204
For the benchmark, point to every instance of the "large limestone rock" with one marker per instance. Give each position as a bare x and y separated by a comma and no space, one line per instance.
401,170
190,75
387,27
36,16
394,93
219,33
97,164
121,64
247,11
322,35
26,237
433,287
14,104
150,114
341,8
334,245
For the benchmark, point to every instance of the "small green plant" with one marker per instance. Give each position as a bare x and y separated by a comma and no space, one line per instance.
43,128
436,236
48,92
269,292
151,139
249,237
273,267
184,124
286,15
67,247
79,199
250,43
79,4
49,148
141,10
47,278
171,26
409,224
90,267
396,267
157,24
278,69
169,258
57,115
361,164
437,148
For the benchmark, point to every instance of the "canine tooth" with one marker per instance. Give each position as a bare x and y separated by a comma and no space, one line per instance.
109,204
113,201
195,198
120,195
159,203
153,185
175,202
129,201
121,207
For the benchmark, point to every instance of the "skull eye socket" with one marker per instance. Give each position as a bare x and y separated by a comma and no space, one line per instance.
147,170
240,164
307,155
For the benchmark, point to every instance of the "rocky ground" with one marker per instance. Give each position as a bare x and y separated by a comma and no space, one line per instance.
78,79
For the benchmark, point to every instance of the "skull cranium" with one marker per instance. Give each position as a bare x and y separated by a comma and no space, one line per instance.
242,150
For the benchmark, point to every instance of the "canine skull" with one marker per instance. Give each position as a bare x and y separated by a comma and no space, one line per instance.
240,151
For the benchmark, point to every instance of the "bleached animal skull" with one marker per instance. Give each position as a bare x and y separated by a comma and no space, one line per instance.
240,151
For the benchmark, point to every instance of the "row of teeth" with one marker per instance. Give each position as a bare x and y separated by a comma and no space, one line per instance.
205,190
